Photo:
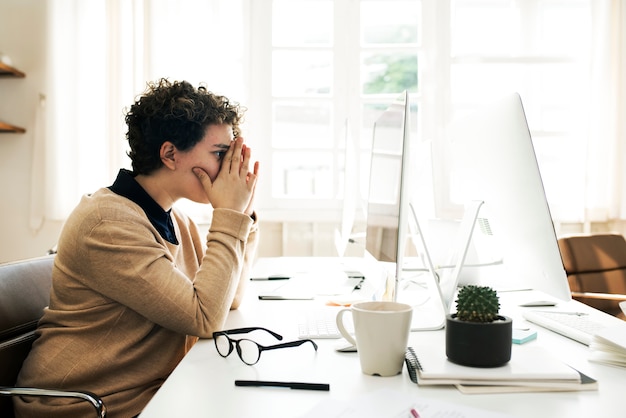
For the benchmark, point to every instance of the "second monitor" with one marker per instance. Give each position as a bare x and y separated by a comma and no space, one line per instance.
388,216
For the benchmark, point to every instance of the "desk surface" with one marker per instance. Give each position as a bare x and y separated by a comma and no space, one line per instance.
203,383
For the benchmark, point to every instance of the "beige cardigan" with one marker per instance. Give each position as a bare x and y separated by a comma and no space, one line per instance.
125,303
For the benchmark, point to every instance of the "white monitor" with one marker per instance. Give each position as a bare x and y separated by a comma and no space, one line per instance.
388,213
494,162
388,198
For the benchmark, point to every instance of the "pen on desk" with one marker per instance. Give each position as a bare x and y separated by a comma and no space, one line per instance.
276,277
290,385
413,413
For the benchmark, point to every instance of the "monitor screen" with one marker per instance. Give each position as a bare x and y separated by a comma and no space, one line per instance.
494,162
387,202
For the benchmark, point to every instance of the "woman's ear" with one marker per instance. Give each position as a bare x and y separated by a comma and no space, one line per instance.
168,154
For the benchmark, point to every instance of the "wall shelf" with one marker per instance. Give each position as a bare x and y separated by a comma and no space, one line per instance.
7,71
7,128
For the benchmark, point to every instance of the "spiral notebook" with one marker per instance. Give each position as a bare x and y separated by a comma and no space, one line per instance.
528,367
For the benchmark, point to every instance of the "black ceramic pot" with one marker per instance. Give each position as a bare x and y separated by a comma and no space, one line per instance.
479,344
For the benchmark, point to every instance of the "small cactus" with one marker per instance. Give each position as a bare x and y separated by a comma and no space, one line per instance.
477,304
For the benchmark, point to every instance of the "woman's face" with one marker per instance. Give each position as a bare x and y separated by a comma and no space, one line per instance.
207,155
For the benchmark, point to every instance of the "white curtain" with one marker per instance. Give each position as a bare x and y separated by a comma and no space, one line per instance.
618,209
79,133
605,193
101,54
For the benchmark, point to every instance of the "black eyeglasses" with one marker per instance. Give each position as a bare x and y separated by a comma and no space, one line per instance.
248,350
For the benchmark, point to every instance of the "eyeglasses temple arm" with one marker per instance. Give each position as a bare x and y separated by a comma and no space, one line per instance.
286,345
245,331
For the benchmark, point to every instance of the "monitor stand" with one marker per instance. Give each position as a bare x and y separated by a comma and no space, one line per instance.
450,280
433,300
424,295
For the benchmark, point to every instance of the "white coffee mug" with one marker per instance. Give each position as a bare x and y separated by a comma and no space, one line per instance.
381,335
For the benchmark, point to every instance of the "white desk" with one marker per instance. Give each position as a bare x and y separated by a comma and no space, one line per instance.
203,383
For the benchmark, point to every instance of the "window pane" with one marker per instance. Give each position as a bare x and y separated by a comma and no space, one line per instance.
565,28
562,178
497,27
302,22
480,83
484,27
389,22
385,73
299,124
302,175
300,73
369,113
550,88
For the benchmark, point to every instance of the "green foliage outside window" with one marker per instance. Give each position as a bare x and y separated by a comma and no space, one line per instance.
398,73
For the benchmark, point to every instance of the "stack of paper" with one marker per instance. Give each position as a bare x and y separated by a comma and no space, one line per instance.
530,369
609,346
586,383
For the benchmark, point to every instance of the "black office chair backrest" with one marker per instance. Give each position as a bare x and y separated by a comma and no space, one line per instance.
24,293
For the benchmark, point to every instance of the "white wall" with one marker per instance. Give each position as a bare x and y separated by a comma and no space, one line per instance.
23,39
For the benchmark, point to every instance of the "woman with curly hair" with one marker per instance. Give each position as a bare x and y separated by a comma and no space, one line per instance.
134,284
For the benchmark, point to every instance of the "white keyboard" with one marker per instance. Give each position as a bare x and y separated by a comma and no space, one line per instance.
575,325
318,324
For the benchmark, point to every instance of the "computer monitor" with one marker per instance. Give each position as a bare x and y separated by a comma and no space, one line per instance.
388,214
494,162
388,191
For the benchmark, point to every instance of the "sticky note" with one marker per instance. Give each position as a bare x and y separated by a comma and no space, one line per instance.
521,336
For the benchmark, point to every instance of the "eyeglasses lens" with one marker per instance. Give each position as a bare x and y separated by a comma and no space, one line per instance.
222,343
248,351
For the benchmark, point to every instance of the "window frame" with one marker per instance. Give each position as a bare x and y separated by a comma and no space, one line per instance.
347,102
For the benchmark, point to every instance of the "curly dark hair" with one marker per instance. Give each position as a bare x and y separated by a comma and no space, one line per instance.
176,112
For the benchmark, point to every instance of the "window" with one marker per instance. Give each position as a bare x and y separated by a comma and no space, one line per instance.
314,75
336,64
334,67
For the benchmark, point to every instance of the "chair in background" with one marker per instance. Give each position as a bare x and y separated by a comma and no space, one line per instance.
24,293
596,269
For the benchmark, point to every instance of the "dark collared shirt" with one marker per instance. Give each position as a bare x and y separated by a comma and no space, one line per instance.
126,185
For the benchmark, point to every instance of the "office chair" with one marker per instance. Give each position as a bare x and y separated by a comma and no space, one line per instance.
24,292
596,269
